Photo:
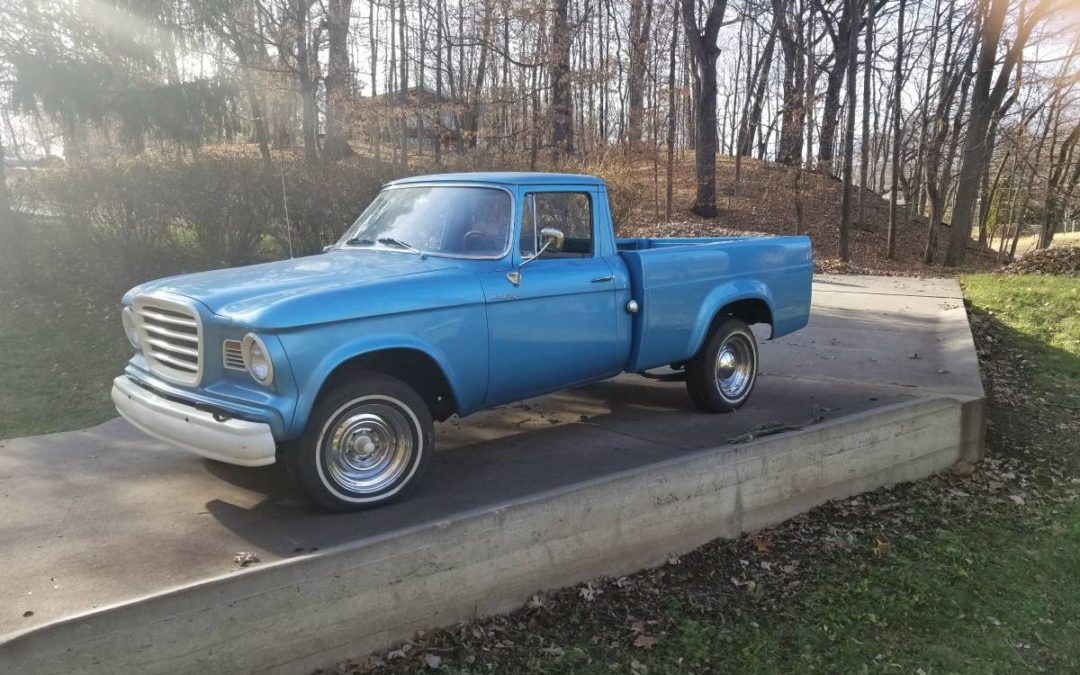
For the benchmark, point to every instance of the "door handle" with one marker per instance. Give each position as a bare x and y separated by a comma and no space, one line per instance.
600,280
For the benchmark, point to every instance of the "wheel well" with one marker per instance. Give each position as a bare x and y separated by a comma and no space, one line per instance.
413,367
751,310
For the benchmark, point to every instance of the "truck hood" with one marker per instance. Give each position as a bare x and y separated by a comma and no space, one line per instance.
246,293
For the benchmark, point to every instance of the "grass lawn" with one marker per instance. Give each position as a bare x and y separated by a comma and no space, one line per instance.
958,573
57,361
1043,313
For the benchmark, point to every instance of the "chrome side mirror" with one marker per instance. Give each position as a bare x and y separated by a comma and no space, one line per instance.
553,239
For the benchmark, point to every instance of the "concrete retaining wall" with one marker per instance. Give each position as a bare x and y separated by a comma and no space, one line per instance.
308,612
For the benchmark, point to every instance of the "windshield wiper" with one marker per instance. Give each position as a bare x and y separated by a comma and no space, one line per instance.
359,241
390,241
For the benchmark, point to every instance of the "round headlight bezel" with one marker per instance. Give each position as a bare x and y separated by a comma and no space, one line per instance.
253,348
127,318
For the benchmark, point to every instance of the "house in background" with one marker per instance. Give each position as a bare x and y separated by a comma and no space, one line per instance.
418,112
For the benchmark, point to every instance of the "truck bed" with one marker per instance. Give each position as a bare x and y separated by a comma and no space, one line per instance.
682,283
646,243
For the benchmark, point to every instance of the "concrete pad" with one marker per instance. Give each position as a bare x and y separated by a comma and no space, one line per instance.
105,515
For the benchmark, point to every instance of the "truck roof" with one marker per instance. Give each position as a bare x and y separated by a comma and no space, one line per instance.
503,178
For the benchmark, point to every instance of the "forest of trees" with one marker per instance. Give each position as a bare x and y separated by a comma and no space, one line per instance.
963,113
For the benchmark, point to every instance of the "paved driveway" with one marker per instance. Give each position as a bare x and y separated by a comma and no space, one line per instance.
104,515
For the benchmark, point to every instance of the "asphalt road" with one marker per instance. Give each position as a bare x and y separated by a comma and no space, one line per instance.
94,517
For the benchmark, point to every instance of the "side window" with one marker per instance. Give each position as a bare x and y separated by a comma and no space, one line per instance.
529,232
570,212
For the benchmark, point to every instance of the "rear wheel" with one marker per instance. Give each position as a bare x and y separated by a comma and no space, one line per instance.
722,374
367,443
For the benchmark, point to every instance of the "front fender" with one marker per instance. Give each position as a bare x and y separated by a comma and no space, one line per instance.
456,341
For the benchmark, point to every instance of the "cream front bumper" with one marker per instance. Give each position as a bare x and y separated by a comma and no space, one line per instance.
232,441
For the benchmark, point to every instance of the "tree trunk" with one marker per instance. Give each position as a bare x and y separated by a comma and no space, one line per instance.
864,151
439,128
671,114
403,83
897,136
849,129
1053,205
308,105
704,50
640,27
830,114
986,99
756,96
373,46
337,79
793,110
562,118
258,119
471,123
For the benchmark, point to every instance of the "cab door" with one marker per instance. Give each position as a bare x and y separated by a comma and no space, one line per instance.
557,327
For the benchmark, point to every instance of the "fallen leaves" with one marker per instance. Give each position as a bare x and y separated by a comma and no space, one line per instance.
432,661
588,592
761,543
645,641
1064,260
245,559
963,469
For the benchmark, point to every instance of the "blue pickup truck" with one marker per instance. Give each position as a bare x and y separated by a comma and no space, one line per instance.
451,293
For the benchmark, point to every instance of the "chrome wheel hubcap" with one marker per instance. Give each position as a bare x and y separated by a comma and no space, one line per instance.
735,366
369,448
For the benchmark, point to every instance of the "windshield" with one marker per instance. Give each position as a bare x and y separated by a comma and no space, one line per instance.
457,221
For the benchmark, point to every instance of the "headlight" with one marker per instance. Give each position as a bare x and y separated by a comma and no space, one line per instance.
127,317
257,359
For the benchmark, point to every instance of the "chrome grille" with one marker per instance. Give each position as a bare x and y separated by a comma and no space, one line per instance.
233,355
171,337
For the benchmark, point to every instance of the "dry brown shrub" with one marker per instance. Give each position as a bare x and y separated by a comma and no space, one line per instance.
123,222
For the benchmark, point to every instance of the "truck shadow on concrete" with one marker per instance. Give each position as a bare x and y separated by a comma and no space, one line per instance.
519,451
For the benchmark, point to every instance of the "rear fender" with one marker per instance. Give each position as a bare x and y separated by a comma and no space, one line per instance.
719,298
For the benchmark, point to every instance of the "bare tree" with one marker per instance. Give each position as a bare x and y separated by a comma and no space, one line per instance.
837,22
671,112
849,132
562,118
897,139
789,18
338,13
864,152
640,28
987,96
704,49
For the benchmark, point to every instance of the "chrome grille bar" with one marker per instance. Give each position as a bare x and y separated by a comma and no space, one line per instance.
171,338
171,334
169,318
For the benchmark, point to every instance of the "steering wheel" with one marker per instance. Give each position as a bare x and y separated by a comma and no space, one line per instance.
478,240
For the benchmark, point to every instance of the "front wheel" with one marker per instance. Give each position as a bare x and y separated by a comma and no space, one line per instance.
367,443
721,375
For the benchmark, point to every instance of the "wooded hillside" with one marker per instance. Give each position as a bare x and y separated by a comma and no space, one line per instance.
891,130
